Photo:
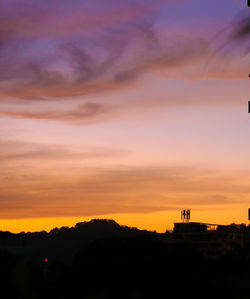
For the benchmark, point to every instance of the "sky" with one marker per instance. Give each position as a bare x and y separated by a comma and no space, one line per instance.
129,110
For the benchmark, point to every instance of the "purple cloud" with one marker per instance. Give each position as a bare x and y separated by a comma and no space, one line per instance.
53,50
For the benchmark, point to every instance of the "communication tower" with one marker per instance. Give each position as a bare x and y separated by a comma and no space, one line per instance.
185,215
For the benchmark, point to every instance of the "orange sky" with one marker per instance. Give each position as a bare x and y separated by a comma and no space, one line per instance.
131,118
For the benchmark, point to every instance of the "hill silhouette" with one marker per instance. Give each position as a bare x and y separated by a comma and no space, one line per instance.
62,243
101,259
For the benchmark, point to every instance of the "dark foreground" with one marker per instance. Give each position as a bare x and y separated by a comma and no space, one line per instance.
140,265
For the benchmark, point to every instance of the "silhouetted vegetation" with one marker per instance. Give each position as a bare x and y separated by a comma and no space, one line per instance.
113,261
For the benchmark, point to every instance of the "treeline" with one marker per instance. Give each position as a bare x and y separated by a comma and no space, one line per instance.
134,267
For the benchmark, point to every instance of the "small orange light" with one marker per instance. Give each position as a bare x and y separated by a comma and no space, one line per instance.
45,260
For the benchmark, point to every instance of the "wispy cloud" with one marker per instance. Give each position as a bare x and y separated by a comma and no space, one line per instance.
87,60
234,37
118,190
95,51
85,113
241,32
14,151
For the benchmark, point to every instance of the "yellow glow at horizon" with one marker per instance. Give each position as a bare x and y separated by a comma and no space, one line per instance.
159,221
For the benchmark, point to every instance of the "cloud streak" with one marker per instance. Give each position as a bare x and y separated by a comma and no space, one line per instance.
234,39
86,113
118,190
13,151
241,32
92,60
95,51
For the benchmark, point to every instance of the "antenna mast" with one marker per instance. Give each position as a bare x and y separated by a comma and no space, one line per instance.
185,216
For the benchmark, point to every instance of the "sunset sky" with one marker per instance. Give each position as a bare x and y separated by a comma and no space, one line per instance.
123,109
